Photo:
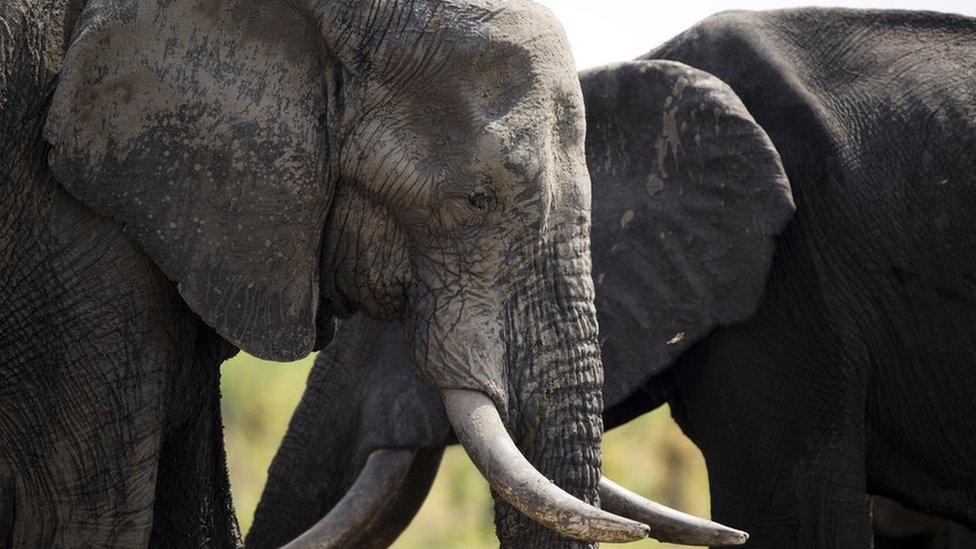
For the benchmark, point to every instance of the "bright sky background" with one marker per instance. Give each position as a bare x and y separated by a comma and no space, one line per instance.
605,31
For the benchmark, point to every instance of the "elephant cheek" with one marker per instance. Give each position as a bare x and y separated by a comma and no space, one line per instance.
365,259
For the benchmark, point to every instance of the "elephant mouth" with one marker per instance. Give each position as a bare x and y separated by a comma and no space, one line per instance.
332,303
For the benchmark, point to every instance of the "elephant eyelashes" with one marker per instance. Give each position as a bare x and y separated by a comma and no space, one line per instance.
482,199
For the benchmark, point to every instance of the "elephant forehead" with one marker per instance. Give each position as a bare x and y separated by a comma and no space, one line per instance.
461,39
523,41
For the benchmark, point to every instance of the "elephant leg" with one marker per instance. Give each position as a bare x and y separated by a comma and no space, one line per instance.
91,333
87,476
960,537
777,410
801,503
896,527
193,503
953,537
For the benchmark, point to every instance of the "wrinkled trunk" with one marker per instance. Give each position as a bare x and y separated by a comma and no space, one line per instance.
555,382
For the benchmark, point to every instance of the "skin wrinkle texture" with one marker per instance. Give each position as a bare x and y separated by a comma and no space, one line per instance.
833,365
260,166
93,418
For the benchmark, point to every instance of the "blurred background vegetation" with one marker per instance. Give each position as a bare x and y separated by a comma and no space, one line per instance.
649,455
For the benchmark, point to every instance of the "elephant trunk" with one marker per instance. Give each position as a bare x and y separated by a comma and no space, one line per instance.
548,483
555,384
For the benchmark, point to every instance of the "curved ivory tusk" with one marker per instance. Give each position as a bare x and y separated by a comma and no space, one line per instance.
480,430
377,482
667,524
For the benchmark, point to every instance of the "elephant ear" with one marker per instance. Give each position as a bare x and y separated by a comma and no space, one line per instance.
688,196
200,126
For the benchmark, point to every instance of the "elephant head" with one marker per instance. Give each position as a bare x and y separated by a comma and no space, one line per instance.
688,196
285,162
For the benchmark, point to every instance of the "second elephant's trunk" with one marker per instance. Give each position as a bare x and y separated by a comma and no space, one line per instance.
361,398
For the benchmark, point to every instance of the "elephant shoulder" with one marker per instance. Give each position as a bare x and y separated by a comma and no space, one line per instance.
831,64
765,66
843,95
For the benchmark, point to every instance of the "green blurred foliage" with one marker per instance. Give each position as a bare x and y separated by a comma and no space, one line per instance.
649,455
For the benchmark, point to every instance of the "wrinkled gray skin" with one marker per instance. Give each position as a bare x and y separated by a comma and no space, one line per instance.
841,367
109,384
180,173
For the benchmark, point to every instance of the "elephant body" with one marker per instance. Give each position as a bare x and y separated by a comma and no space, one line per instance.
852,376
815,356
110,431
182,179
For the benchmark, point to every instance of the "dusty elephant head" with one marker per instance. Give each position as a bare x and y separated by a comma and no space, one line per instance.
285,162
688,196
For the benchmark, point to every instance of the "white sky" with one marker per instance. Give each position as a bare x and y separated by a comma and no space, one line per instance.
605,31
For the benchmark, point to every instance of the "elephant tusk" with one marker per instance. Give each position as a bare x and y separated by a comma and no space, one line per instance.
376,484
667,525
481,432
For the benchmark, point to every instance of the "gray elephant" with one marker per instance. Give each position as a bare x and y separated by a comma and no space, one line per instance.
814,357
180,179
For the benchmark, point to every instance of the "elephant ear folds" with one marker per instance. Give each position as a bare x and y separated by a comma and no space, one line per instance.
688,196
199,126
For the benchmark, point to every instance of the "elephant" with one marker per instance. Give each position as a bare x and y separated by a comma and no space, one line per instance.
183,179
896,527
782,244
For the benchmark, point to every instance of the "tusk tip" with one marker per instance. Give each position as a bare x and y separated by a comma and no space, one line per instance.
729,536
718,535
667,525
737,537
723,536
641,531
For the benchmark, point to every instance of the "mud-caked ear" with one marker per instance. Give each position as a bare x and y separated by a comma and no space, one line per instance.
201,126
688,196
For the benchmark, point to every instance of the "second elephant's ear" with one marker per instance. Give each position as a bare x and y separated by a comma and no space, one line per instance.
688,195
200,126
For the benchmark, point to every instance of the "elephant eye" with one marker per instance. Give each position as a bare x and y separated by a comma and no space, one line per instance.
482,199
